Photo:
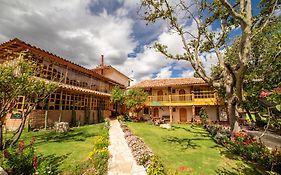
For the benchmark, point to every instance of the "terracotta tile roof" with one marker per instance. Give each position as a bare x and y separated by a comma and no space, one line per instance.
168,82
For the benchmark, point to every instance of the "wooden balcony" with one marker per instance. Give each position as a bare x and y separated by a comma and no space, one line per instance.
196,98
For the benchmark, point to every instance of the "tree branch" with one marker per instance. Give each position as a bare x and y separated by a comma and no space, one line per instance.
232,11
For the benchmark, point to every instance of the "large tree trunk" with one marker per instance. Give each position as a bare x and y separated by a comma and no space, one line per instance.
1,136
231,114
232,101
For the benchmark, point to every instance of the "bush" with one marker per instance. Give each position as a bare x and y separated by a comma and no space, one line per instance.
203,115
100,142
246,146
48,165
219,133
24,161
156,167
20,161
99,155
123,118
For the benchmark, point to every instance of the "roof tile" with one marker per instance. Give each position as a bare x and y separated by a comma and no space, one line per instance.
168,82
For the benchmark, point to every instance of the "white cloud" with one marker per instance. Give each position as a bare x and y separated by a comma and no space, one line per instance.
69,29
74,30
188,73
165,72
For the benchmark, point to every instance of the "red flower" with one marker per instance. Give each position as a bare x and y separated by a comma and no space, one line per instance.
5,153
182,168
244,143
21,146
32,141
35,162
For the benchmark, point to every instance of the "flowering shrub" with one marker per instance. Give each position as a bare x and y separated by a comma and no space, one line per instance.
245,145
101,142
156,167
24,161
20,160
100,155
220,133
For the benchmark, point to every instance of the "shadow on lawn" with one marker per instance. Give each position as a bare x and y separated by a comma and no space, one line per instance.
63,137
185,143
193,130
239,169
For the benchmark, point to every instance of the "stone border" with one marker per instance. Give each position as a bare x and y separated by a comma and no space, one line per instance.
140,151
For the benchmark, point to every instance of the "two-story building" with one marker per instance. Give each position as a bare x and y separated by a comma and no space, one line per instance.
180,99
83,94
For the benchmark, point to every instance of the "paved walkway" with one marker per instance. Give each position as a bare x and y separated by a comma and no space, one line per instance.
121,161
271,140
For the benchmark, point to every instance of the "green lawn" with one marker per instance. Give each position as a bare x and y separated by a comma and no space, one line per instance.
75,145
189,150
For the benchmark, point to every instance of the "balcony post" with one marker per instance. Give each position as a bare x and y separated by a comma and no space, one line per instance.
170,98
193,113
171,114
192,97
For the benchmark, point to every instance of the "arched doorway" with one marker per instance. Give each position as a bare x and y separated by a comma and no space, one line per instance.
156,113
182,95
160,95
183,115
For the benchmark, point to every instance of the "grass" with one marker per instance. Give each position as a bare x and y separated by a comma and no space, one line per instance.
188,149
74,145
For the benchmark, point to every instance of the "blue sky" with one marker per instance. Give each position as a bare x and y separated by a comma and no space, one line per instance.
81,31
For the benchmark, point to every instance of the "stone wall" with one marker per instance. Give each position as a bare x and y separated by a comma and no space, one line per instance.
37,118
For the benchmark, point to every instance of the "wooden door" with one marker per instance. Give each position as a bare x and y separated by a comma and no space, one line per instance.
155,113
160,95
182,93
183,115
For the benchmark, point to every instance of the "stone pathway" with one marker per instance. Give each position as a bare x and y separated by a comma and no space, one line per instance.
271,140
122,161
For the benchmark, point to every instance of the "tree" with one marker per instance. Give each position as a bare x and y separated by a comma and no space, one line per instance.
224,17
264,69
117,97
18,78
135,100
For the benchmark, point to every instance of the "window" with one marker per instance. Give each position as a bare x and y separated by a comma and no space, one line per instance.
197,110
16,115
146,111
173,91
174,109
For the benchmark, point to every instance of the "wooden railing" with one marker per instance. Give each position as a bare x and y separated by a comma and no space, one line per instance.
203,97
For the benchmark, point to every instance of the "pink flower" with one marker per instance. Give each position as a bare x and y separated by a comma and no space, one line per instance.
264,94
277,89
